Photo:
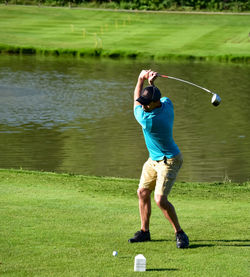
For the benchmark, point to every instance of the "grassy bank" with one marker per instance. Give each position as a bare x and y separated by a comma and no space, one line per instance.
215,5
65,225
76,32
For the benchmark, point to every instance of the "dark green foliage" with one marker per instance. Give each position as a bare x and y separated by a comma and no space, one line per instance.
208,5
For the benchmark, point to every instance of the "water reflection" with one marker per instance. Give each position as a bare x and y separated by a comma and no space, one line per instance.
76,116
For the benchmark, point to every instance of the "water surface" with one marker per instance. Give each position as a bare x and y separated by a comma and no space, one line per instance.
69,115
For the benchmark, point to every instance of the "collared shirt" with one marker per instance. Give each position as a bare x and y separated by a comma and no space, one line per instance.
157,127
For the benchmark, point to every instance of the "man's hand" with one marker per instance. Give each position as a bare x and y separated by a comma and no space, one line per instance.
151,77
144,74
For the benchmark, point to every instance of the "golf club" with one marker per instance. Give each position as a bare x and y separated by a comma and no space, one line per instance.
215,98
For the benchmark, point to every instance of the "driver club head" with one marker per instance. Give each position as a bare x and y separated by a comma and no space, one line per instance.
216,100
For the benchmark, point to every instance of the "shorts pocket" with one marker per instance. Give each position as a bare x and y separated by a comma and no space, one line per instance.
175,163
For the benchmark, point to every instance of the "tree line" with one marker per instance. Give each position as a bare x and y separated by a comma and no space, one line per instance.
187,5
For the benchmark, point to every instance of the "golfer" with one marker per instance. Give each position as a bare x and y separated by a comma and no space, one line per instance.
156,116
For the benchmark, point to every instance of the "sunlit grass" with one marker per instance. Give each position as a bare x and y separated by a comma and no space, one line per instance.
123,33
69,225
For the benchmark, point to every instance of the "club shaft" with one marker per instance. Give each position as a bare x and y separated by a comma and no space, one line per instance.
184,81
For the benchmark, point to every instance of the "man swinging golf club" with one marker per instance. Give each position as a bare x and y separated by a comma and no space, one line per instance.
156,116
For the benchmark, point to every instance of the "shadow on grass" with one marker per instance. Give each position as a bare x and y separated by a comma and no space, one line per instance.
162,269
193,246
212,243
159,240
226,242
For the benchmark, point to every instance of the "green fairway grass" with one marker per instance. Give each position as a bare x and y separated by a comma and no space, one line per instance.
81,32
69,225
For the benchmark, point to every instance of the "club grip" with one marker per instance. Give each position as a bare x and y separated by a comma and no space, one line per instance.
160,75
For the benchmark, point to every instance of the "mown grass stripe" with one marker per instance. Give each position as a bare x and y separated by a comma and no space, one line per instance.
81,33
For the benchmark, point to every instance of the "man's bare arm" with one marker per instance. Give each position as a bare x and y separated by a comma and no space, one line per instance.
138,88
144,75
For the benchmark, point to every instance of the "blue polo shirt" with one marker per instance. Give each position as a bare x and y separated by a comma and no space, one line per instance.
157,127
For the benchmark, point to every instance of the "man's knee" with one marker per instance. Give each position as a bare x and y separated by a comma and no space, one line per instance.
161,200
143,193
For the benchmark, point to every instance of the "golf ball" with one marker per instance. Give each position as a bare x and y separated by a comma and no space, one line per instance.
115,253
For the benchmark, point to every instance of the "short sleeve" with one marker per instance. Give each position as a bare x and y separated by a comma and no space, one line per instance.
139,116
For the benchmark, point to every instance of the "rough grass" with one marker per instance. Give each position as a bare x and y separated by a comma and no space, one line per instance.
76,32
69,225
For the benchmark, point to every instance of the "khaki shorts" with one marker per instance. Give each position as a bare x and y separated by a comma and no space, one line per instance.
160,175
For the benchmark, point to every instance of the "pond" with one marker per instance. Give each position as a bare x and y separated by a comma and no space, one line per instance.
75,116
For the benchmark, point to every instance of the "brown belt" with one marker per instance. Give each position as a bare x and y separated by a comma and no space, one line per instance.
164,159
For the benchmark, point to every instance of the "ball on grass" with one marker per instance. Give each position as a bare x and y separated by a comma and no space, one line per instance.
115,253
